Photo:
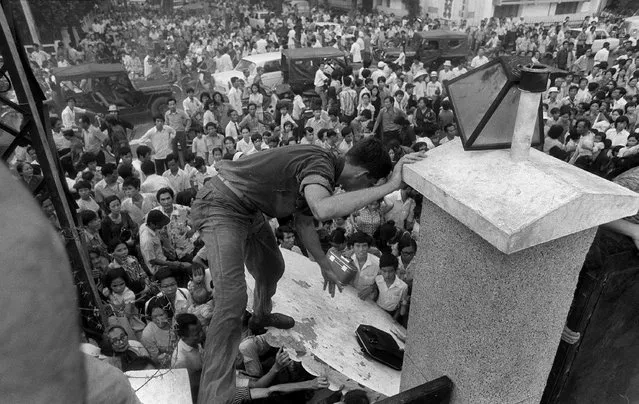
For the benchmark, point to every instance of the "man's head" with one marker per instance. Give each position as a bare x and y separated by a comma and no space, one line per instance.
366,163
286,237
85,122
144,153
172,163
148,168
159,122
131,186
165,197
188,329
117,337
172,104
71,102
110,173
361,244
388,264
190,92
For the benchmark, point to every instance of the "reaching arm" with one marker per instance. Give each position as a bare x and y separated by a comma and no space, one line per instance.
307,233
326,206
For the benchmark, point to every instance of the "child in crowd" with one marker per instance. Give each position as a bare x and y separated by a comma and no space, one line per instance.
199,146
287,132
286,238
286,117
202,305
86,201
199,278
122,301
188,352
139,282
338,243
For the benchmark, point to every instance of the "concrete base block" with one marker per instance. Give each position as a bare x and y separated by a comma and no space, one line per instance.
489,321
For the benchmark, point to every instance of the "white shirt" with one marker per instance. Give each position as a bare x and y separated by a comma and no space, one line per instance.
261,45
235,100
153,183
478,61
191,106
161,141
244,146
366,273
298,107
224,63
617,138
602,55
390,297
356,53
320,77
187,357
232,129
68,116
180,181
400,210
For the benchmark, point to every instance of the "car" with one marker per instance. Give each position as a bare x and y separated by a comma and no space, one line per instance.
257,19
601,36
430,47
95,86
300,64
270,62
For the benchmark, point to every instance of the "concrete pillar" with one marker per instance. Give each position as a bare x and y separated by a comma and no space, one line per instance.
500,249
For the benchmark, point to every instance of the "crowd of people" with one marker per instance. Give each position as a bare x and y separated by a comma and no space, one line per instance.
134,196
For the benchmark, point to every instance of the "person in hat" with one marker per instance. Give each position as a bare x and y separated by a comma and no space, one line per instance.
434,87
446,73
553,100
297,180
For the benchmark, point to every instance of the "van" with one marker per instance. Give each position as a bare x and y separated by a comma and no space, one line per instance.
271,62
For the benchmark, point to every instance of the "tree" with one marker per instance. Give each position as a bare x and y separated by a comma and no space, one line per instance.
413,7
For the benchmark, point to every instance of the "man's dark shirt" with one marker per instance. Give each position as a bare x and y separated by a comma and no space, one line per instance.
273,180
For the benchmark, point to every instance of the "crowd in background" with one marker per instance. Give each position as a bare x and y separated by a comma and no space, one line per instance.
134,195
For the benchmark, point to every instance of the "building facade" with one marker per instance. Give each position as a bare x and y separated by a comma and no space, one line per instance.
476,10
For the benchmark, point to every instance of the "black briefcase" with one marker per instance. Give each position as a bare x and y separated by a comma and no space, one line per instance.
380,346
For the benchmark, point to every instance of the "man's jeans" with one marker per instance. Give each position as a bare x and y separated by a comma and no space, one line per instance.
235,234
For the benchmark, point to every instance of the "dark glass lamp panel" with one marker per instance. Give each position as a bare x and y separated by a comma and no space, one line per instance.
472,95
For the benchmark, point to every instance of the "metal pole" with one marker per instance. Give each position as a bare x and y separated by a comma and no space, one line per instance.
34,111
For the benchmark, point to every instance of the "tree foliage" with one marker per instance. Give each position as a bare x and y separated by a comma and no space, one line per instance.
413,7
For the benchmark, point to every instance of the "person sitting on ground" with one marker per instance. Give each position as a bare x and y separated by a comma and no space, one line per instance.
138,279
188,352
125,354
122,302
203,305
174,300
158,337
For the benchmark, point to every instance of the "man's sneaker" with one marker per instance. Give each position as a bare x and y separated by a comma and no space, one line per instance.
276,320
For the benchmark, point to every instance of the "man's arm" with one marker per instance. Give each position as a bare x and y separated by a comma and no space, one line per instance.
378,121
309,237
